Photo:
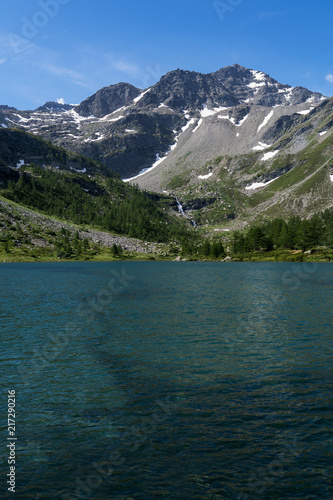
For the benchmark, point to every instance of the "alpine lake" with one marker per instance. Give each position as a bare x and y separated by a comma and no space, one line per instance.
167,380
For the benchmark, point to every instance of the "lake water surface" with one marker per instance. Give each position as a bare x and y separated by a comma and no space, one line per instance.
168,380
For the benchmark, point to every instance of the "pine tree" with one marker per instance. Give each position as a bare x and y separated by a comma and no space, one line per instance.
114,250
206,248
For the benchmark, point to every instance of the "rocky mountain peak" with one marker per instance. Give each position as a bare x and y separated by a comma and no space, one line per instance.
259,88
107,100
181,89
4,107
55,107
186,114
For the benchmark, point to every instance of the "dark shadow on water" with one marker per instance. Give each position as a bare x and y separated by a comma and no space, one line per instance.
234,436
232,439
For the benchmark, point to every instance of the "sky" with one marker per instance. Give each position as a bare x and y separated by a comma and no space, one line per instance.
66,50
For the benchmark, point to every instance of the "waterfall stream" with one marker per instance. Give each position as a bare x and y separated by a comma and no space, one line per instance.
181,211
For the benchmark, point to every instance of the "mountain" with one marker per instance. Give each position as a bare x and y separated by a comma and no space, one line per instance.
108,100
287,169
7,108
19,148
213,140
54,107
128,129
258,88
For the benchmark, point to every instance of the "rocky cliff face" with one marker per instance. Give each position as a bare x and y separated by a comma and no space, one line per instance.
258,88
188,90
185,119
55,107
108,100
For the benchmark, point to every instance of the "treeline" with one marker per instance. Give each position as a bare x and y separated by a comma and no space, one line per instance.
113,206
67,246
203,249
294,234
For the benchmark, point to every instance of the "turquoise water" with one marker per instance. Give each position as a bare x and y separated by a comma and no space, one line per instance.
168,380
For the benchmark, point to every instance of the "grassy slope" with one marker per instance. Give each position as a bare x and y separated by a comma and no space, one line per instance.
32,237
307,156
303,190
298,191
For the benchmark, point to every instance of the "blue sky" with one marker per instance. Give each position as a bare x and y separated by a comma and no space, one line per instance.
68,49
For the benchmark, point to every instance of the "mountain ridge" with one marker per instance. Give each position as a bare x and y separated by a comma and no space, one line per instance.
128,129
195,135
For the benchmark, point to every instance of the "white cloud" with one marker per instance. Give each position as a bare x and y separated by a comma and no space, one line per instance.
23,52
60,101
3,60
65,73
125,67
13,46
329,78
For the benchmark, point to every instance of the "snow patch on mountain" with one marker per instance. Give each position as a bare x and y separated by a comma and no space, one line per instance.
258,75
189,123
137,99
289,93
74,136
198,125
146,170
210,112
160,160
20,164
305,111
255,85
162,105
232,120
242,121
108,119
311,99
206,112
269,155
257,185
122,109
266,120
99,138
79,171
261,146
154,165
205,176
75,116
22,119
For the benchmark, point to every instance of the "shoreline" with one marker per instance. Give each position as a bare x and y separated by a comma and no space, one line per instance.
157,259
